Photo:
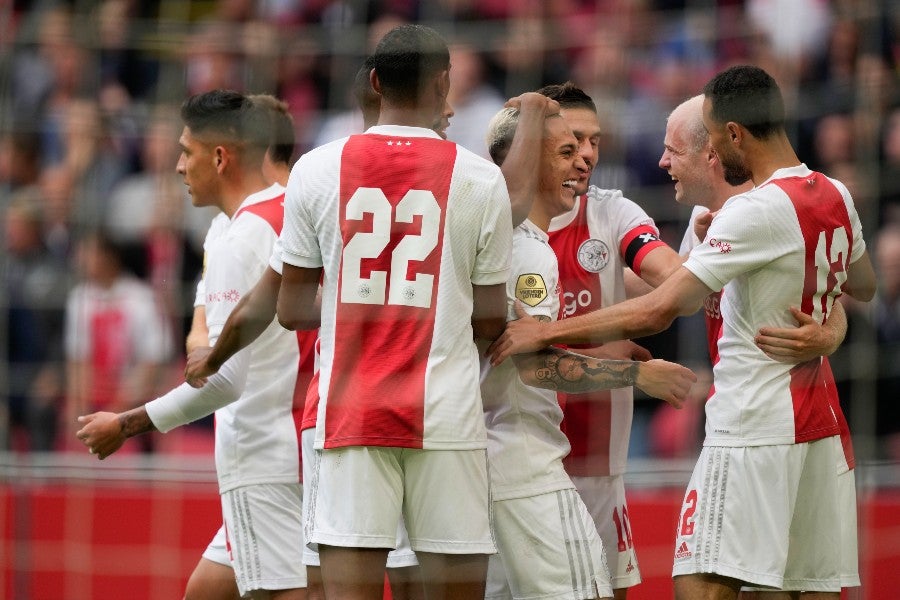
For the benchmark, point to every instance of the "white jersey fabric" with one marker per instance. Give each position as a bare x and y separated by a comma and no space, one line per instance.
525,443
796,222
256,438
403,223
219,222
594,242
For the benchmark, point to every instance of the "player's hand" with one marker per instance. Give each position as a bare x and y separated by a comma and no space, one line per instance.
197,369
799,344
665,380
618,350
101,432
520,336
701,225
533,100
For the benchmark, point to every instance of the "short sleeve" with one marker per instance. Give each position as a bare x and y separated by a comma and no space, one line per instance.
492,261
299,242
739,240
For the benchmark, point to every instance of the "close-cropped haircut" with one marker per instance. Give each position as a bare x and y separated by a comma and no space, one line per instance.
748,96
568,95
406,58
228,116
500,133
282,138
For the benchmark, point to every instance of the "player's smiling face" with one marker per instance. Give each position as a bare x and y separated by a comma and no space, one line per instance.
585,126
686,164
561,167
197,166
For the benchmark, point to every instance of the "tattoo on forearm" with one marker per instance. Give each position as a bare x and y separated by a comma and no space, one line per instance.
135,422
574,373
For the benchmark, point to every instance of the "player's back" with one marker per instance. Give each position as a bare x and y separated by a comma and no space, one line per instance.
404,224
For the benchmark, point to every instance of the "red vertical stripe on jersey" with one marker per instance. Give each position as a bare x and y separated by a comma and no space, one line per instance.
376,391
586,417
820,208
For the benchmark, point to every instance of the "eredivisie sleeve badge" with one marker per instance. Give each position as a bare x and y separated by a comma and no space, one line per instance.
530,289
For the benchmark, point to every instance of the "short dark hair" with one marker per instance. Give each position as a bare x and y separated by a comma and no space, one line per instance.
748,96
406,58
282,136
568,95
229,115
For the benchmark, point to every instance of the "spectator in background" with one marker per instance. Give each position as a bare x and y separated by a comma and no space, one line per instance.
473,99
34,289
886,316
116,339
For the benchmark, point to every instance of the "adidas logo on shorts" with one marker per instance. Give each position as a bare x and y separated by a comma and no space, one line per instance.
682,551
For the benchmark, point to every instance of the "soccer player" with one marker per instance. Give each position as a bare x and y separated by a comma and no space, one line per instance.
413,236
771,436
213,577
596,242
700,182
534,501
257,452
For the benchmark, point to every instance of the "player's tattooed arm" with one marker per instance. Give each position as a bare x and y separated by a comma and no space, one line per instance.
564,371
104,432
135,422
573,373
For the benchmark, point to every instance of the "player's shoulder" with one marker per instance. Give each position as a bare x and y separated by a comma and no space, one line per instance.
597,197
528,241
475,166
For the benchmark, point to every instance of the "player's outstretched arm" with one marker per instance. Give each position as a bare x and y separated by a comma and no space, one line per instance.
105,432
573,373
807,341
488,310
250,317
681,294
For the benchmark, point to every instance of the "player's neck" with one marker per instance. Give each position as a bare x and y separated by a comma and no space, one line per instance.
407,117
771,155
239,188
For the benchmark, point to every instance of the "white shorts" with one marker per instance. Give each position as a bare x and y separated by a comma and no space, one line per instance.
265,535
402,556
849,543
605,501
358,494
764,515
217,550
548,547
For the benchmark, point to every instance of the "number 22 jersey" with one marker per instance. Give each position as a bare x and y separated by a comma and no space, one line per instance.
403,223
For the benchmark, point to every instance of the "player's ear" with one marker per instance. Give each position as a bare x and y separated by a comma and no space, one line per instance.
374,82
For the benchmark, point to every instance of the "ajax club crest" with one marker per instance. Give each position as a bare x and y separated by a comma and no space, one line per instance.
593,255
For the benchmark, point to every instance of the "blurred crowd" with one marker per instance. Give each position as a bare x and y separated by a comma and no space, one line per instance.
102,249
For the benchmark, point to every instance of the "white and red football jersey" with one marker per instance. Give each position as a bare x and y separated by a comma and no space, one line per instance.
256,436
403,224
711,310
714,331
594,242
113,330
787,242
525,443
